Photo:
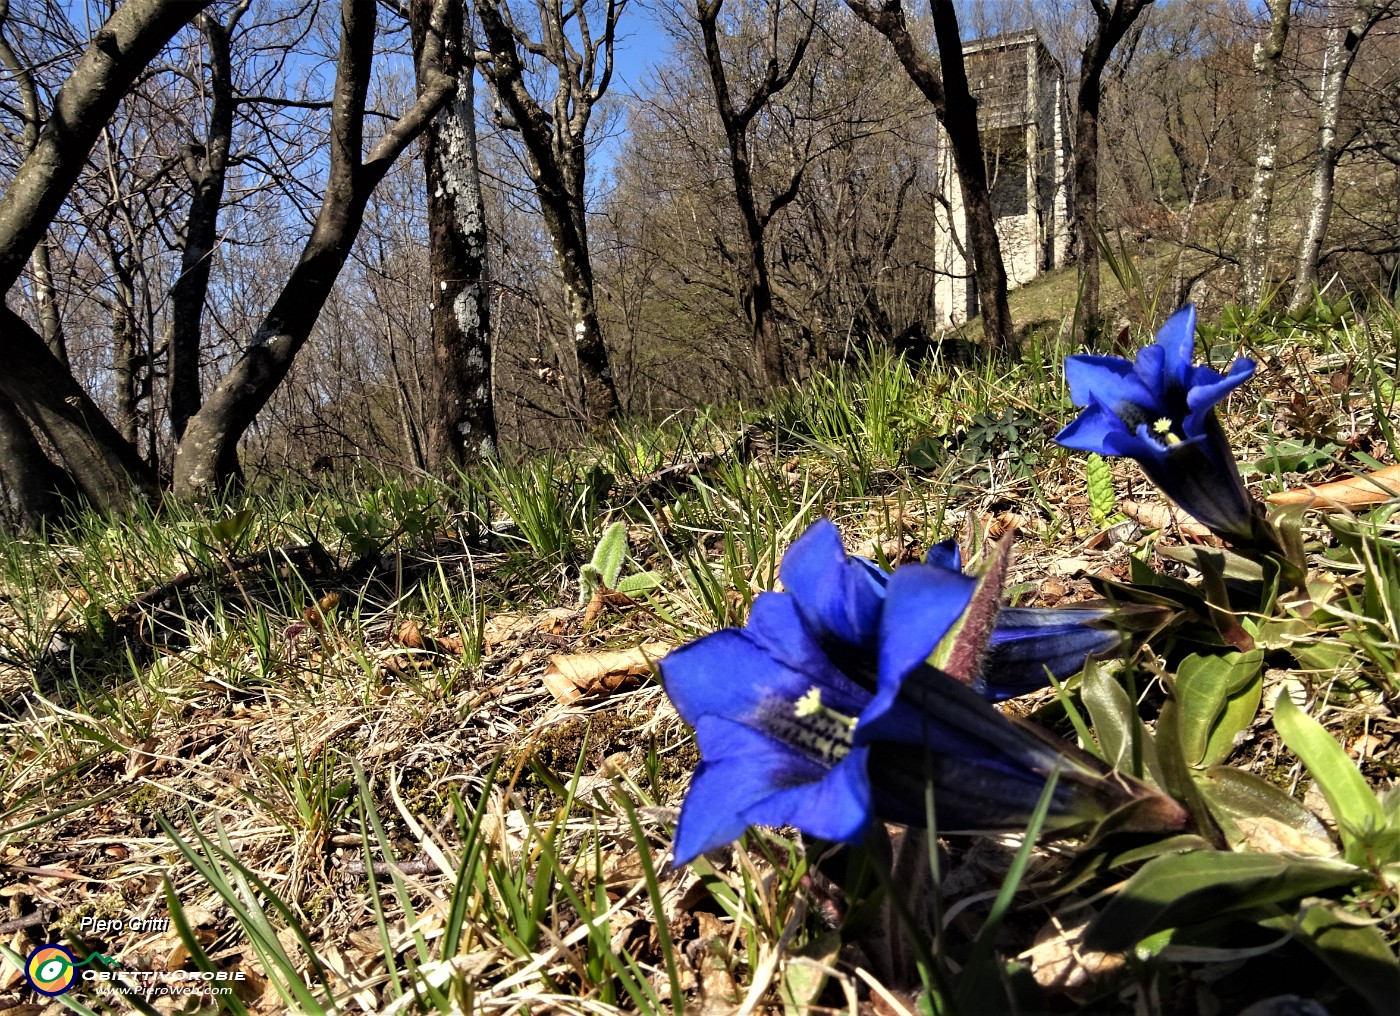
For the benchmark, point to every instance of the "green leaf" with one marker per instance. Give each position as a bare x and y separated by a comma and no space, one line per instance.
1357,953
610,553
1291,455
1219,560
1112,713
1322,655
1178,844
1357,810
1176,774
1122,737
1257,814
1240,710
227,531
1178,890
926,453
803,982
1102,500
1204,686
639,583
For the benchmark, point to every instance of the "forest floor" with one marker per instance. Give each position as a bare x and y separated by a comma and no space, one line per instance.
386,749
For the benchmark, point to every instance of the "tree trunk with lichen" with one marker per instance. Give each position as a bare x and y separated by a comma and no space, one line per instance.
1268,54
462,422
555,144
1336,67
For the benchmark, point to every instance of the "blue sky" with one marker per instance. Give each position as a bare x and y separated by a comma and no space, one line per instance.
642,45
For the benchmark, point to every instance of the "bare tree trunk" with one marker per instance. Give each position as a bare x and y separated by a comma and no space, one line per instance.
462,421
206,166
32,489
105,468
955,109
206,461
125,337
128,41
39,265
1110,26
1268,54
755,291
1335,69
555,148
960,121
37,381
29,481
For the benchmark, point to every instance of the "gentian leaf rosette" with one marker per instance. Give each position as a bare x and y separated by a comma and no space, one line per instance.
841,597
1160,410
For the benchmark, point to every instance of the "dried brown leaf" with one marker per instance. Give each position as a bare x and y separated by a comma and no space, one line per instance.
1375,487
571,676
1162,516
410,634
508,627
1059,961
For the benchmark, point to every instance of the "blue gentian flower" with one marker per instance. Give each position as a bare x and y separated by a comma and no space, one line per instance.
840,597
774,719
988,771
1160,410
792,711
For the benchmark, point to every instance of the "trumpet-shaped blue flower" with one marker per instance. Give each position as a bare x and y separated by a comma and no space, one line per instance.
792,711
774,719
1160,410
840,597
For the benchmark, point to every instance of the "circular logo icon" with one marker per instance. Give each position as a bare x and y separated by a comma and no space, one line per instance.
49,969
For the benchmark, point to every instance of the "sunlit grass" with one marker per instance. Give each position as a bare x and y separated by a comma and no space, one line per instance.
320,718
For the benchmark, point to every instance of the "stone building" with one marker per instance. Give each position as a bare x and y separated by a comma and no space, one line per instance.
1023,119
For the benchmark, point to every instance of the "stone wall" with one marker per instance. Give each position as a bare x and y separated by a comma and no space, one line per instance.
1022,115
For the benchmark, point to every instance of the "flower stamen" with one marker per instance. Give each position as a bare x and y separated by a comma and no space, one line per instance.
1163,428
813,728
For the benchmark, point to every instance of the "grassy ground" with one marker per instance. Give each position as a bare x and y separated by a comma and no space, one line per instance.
396,750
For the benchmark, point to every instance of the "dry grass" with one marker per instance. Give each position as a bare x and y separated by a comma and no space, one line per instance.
361,734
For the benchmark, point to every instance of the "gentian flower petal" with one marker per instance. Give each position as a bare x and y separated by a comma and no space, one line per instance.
747,778
836,808
921,603
777,628
946,554
1208,388
1028,642
1097,429
729,673
836,595
1111,381
1177,341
